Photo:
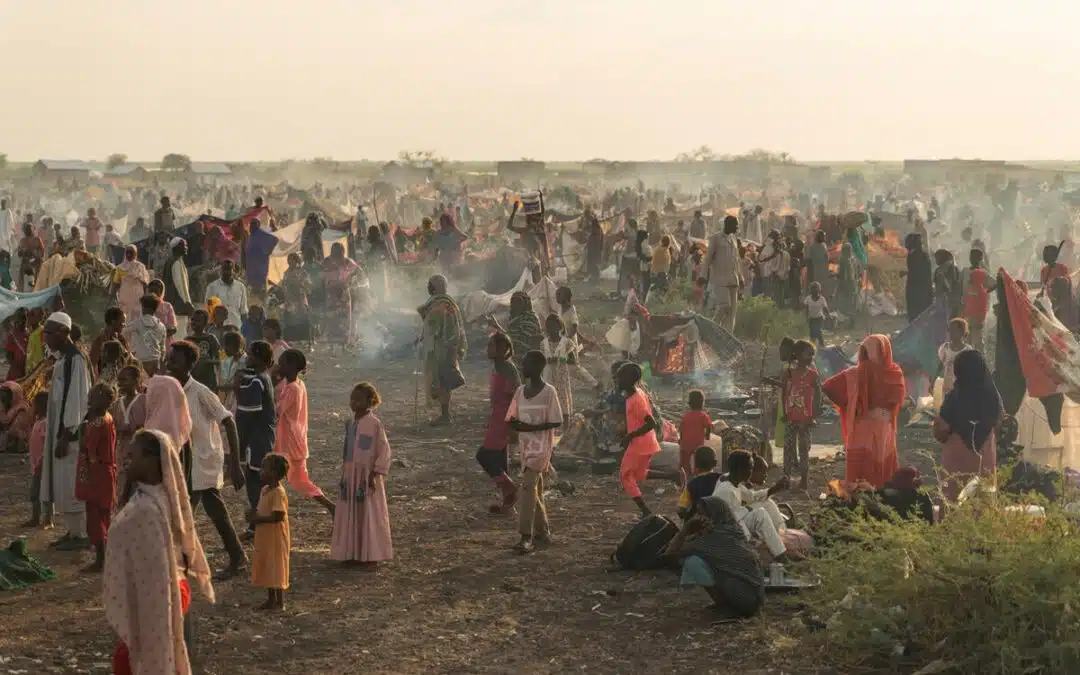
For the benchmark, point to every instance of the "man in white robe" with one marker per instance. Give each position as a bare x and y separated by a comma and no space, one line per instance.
67,409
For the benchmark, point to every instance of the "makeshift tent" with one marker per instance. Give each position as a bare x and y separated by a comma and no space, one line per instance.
11,301
675,344
289,243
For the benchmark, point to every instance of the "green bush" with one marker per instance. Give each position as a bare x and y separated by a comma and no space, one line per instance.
987,591
759,319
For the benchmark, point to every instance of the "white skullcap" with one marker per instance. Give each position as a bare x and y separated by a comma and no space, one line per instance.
60,318
176,241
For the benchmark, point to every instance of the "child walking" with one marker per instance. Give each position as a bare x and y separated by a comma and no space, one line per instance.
361,518
801,394
694,430
256,418
129,415
535,414
37,456
640,441
270,564
817,310
492,455
231,365
96,469
292,425
561,354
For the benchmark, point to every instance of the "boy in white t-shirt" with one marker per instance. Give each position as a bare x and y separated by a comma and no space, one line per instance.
535,414
817,310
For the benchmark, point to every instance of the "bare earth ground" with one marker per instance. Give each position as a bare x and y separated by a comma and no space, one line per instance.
455,599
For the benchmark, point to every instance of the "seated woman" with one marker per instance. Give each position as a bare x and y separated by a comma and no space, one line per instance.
717,556
16,418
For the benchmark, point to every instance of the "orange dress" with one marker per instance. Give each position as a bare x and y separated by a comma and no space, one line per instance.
270,565
869,396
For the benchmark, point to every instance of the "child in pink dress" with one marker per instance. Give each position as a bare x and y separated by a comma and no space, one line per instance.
37,457
291,442
361,517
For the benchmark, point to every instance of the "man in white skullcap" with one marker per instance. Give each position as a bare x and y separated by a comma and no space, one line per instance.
67,409
177,289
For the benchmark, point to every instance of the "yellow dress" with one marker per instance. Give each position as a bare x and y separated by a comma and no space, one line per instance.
270,565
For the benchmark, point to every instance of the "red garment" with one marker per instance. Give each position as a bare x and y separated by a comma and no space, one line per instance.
692,430
98,519
801,388
869,396
121,662
1051,272
96,471
497,435
15,346
976,297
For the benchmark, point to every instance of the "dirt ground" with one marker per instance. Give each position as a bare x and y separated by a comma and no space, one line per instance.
455,599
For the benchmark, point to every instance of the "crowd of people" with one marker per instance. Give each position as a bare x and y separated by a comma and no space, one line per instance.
178,396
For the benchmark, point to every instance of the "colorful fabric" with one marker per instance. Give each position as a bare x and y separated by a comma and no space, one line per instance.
1049,353
915,346
444,343
96,473
18,418
693,428
19,569
270,564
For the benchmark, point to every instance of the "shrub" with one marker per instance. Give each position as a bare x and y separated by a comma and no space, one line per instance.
987,591
759,319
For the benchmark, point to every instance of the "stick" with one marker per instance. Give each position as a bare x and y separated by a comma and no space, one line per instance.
416,388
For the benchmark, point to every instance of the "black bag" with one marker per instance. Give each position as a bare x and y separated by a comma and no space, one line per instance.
643,546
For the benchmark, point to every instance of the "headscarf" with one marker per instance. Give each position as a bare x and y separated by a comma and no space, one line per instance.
973,407
724,547
523,326
875,372
167,409
152,541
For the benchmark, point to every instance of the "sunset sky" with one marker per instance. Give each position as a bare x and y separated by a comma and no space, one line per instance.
235,80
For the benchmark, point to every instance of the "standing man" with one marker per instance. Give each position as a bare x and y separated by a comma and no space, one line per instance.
443,343
208,458
259,246
92,224
697,226
722,268
232,292
7,227
164,217
177,288
67,410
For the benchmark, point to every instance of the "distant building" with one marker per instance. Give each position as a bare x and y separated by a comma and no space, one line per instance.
73,170
403,173
134,172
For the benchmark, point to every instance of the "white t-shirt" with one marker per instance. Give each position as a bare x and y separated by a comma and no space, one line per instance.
816,308
947,355
207,449
544,408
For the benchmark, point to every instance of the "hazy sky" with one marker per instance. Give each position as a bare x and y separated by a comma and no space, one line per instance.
547,79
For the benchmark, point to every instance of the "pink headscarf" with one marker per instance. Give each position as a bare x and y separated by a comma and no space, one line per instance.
167,409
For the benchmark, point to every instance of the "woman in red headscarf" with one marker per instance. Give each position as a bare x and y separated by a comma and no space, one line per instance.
869,395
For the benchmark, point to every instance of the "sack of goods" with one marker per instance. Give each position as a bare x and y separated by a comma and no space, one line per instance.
530,203
643,547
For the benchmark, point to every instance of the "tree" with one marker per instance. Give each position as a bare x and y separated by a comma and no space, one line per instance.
702,153
176,162
760,155
420,158
116,159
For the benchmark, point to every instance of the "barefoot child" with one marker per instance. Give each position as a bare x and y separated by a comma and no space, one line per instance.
256,418
361,517
535,414
947,353
129,414
561,354
270,564
817,310
37,456
233,363
802,400
492,455
694,430
292,425
640,441
96,472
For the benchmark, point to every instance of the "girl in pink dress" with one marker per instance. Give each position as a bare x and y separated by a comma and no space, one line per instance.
361,518
291,440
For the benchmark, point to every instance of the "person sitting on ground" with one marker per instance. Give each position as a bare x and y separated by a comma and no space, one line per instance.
702,484
755,521
717,556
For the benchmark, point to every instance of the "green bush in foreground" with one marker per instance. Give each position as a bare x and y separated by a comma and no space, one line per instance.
987,591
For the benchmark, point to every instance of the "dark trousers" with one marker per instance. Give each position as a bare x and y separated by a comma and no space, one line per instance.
817,332
219,516
493,462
